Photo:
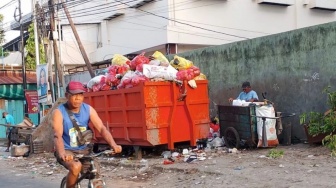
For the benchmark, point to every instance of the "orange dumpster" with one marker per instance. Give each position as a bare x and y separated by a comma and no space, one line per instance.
153,113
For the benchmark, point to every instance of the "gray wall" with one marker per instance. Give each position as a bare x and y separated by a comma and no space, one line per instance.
292,67
83,77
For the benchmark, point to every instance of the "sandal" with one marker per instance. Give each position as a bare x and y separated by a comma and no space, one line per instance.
191,158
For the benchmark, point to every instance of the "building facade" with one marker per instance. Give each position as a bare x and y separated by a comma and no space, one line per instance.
129,27
173,26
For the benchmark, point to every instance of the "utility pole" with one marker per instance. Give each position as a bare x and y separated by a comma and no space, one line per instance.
80,45
55,48
60,48
45,40
23,58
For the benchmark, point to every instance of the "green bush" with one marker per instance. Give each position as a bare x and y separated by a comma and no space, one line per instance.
323,123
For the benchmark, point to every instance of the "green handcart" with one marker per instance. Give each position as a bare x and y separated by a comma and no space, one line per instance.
238,125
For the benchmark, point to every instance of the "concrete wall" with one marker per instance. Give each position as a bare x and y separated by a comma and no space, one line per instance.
83,77
70,53
292,67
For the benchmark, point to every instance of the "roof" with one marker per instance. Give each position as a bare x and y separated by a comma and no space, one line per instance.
13,45
15,77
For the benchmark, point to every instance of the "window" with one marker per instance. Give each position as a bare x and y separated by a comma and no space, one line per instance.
277,2
322,4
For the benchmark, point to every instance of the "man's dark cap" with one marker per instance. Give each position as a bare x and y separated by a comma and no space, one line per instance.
246,84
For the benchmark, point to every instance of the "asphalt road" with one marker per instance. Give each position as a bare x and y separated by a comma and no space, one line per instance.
10,179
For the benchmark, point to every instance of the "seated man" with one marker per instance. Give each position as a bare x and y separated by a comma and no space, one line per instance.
247,94
66,137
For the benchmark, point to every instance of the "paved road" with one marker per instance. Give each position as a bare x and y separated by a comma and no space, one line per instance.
13,180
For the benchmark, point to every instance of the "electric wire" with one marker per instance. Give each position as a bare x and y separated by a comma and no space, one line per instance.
175,20
187,23
8,4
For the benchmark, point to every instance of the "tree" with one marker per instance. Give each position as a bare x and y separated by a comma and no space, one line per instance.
2,37
2,32
5,52
30,47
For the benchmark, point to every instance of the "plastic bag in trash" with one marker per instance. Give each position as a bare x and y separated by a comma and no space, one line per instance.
217,142
166,154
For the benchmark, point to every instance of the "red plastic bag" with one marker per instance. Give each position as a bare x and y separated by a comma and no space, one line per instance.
111,80
102,80
112,69
196,70
96,88
138,79
166,162
215,127
105,87
185,75
117,69
123,69
139,59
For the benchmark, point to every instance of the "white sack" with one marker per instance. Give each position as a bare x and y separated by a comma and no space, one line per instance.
153,71
95,80
266,111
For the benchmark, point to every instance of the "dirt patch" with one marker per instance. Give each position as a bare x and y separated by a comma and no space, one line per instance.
301,166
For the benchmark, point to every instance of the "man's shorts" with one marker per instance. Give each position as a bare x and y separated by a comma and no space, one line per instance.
9,134
76,152
70,152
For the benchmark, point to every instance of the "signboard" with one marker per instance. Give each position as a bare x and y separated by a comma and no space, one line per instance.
32,101
42,82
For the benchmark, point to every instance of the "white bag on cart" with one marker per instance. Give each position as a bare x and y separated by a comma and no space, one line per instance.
267,111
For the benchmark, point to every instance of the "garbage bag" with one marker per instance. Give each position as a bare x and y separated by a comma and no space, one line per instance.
139,59
119,59
159,56
271,136
180,63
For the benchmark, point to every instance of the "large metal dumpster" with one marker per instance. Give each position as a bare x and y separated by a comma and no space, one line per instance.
151,113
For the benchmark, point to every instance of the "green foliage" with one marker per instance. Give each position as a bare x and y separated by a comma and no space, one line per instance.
331,98
316,122
30,47
330,142
2,32
5,53
323,123
274,154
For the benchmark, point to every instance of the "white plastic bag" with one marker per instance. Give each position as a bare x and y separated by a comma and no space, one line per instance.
95,80
153,71
266,111
237,102
154,62
217,142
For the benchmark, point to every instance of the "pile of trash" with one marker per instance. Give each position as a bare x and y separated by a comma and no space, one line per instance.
188,156
197,154
125,73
